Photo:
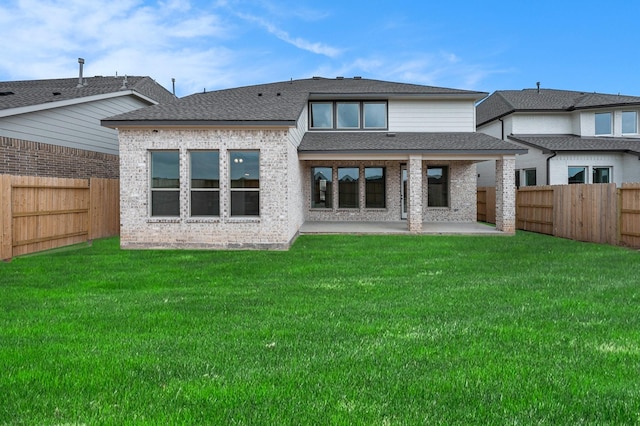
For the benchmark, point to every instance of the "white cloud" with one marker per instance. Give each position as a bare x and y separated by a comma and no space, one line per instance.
300,43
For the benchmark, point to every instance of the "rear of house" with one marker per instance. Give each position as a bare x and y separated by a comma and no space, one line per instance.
246,167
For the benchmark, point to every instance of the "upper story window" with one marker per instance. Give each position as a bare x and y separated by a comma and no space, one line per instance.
351,115
603,123
629,122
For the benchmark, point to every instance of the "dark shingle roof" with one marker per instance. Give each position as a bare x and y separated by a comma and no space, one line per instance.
277,103
381,142
553,143
16,94
503,102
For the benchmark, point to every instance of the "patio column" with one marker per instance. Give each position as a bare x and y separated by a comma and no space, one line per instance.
506,195
414,211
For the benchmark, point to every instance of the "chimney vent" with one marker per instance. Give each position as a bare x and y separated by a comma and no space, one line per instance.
80,82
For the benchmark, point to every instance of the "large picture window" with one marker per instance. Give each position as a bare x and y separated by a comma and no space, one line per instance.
165,183
352,115
205,183
245,183
438,186
348,193
322,189
375,194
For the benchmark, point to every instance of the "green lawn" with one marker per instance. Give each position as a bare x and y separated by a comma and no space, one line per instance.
370,330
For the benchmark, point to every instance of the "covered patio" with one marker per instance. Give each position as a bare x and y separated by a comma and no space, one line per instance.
398,227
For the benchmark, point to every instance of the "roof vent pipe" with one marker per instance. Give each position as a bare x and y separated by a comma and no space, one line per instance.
81,62
538,84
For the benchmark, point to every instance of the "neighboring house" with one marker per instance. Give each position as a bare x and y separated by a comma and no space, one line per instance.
572,137
246,167
52,127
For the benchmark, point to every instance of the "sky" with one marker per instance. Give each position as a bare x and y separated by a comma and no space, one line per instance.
482,45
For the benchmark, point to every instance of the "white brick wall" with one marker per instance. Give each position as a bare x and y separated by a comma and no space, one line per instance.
272,229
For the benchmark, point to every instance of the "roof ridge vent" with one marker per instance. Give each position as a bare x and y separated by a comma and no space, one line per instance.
339,78
357,77
315,77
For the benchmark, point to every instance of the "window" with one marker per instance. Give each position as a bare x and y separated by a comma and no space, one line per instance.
629,122
375,194
205,183
601,175
245,183
375,115
603,123
321,115
322,189
577,175
351,115
348,115
348,194
438,186
165,183
530,177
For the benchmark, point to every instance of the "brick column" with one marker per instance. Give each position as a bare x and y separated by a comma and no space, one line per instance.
414,211
506,195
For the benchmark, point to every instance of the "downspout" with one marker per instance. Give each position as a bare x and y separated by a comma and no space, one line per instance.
502,125
548,171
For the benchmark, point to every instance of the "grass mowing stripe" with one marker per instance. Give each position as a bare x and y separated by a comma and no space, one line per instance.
340,329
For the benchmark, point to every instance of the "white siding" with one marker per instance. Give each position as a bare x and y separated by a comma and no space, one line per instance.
542,124
559,166
631,172
74,126
431,116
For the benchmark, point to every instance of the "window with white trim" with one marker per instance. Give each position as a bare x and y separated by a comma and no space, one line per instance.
601,175
577,174
347,115
629,122
603,123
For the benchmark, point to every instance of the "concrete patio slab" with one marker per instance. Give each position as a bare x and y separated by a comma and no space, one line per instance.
397,227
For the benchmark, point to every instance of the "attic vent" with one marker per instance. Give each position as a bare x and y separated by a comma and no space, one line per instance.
6,93
315,77
259,94
57,93
391,135
357,77
278,94
339,78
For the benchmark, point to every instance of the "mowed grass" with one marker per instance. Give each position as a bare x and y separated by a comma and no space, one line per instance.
371,330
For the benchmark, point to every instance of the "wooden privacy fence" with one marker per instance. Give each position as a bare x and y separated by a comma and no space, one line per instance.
599,213
43,213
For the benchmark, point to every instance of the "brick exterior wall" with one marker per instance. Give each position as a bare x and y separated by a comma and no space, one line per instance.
26,158
463,205
506,195
275,228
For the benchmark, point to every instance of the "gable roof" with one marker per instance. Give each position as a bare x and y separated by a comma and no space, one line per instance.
504,102
39,94
405,143
573,143
278,103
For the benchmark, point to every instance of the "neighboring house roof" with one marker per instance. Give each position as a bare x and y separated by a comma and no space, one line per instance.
405,142
30,95
275,103
556,143
504,102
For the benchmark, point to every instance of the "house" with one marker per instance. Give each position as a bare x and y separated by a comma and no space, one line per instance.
52,127
246,167
572,137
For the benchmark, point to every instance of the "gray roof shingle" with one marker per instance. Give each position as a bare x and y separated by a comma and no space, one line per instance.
553,143
503,102
381,142
16,94
280,102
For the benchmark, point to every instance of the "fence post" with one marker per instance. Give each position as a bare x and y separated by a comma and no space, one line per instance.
6,220
619,217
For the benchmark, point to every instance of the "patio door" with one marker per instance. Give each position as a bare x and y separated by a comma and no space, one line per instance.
403,192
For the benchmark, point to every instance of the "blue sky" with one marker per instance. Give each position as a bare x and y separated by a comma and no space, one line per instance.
483,45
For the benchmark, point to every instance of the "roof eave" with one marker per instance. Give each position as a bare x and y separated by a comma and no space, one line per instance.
75,101
114,124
